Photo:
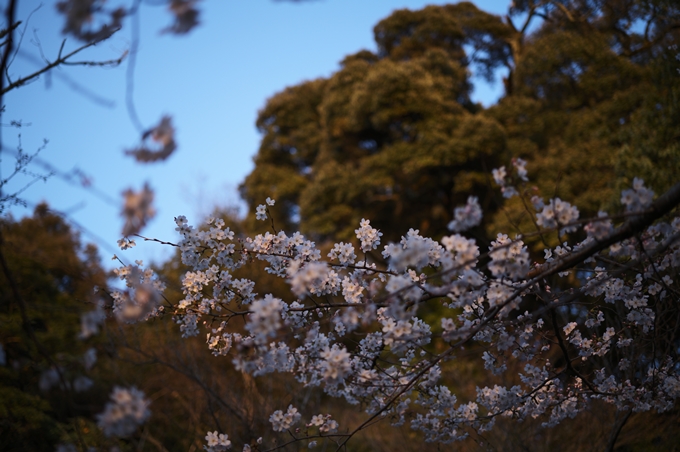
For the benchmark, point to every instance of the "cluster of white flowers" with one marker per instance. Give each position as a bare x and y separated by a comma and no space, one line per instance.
283,421
369,237
142,299
600,228
466,217
638,198
337,363
127,410
91,320
509,258
217,442
557,212
266,318
344,252
481,297
126,243
261,212
500,177
325,423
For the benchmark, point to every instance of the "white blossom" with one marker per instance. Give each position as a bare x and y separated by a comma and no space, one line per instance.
369,237
216,442
638,198
466,217
261,212
127,410
283,421
344,252
360,330
558,212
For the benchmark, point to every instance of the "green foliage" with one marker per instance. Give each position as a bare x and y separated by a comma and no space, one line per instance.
394,137
651,143
47,282
290,125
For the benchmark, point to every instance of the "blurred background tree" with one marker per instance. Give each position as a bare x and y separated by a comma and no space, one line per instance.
50,387
590,97
392,136
581,85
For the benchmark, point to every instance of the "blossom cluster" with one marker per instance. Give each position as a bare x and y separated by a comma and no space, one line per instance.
127,410
637,198
557,212
360,329
142,299
216,442
283,421
466,217
502,178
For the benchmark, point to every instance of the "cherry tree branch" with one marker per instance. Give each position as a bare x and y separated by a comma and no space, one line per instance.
64,60
663,205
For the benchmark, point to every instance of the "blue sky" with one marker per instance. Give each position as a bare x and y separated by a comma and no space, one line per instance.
212,82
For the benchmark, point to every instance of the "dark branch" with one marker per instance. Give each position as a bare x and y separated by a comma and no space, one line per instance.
63,60
663,205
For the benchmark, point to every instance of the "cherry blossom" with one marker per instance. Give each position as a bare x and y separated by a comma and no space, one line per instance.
127,410
601,319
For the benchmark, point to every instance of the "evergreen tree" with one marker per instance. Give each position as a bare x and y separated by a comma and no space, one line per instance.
395,137
47,387
390,135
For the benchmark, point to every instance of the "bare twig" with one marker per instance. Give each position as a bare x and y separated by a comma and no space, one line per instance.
130,75
70,82
9,44
62,60
74,177
617,431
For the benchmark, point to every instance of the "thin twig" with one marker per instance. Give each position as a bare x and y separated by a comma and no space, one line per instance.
130,74
61,60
